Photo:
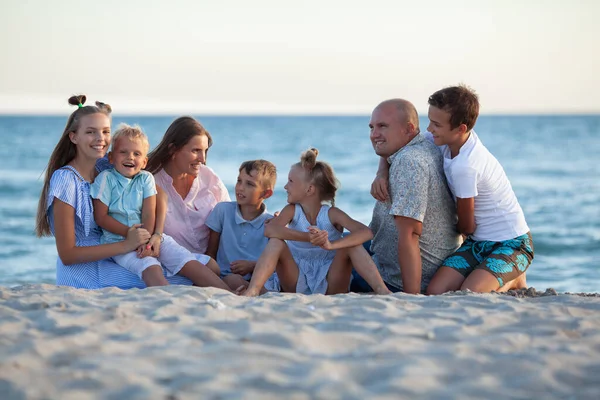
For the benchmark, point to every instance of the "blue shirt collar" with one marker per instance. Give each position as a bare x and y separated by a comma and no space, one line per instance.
123,181
256,222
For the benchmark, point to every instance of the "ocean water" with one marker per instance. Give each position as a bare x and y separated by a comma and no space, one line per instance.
551,161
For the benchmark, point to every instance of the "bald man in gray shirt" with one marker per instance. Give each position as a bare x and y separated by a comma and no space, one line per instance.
414,224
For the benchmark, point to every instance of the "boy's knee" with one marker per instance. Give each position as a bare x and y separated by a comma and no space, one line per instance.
435,289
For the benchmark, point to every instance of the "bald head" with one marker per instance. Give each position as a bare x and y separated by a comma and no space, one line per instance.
394,123
406,111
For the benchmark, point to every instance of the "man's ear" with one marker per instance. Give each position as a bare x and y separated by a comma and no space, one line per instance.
411,127
267,193
462,129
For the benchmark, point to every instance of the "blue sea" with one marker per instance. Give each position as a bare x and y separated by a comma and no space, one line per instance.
551,161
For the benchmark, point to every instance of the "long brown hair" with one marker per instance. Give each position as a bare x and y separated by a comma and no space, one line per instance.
320,174
178,134
64,152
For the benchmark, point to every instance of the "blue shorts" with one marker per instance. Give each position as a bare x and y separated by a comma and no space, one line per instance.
505,260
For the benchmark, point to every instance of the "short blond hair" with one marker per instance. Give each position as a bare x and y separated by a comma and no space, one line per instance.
266,172
132,133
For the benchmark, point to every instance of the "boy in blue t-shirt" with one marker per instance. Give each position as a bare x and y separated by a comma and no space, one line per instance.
237,227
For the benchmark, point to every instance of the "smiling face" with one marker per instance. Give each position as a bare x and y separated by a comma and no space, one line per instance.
189,158
129,156
390,130
440,128
297,185
248,189
92,138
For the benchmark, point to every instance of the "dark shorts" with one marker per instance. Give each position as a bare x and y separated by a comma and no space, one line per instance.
359,285
505,260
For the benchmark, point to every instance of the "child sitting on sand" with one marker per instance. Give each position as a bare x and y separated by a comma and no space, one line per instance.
499,248
306,246
237,228
124,196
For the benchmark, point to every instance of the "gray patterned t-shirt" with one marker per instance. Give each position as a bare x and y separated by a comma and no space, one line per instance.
418,190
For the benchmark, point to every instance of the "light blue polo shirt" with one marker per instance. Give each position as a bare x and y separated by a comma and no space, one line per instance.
123,196
240,239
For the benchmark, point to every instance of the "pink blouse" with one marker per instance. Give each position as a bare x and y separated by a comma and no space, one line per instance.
186,218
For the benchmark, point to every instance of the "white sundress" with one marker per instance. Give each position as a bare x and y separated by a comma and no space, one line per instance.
313,262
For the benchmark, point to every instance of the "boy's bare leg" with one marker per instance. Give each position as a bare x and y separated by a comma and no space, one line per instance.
201,275
480,281
235,281
153,276
365,266
446,279
520,282
275,256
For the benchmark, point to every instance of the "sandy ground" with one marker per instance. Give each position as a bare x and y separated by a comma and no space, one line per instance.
187,343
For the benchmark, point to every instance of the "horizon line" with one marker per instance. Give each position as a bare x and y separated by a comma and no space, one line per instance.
293,114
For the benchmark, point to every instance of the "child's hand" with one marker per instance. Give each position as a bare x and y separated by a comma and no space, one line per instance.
319,238
242,267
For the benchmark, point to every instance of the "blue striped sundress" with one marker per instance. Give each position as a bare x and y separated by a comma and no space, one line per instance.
313,262
67,185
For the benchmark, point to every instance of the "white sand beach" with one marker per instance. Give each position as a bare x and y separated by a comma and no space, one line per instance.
187,343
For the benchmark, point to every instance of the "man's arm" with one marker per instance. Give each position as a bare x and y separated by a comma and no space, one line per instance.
465,208
409,253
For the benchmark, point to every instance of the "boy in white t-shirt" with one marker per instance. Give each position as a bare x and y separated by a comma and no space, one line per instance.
498,249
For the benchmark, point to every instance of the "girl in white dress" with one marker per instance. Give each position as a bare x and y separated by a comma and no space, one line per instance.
306,245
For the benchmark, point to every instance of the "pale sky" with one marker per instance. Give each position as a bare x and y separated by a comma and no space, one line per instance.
295,57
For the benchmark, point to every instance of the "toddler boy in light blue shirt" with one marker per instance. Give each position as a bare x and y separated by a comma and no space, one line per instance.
124,196
237,228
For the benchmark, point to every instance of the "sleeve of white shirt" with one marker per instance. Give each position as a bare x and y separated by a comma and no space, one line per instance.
464,180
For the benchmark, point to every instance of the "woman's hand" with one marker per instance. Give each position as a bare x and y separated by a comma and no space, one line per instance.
151,249
136,236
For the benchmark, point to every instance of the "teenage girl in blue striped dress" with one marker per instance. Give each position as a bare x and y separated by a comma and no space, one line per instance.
65,207
306,245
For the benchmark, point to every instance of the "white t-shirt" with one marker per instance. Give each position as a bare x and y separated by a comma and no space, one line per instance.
475,172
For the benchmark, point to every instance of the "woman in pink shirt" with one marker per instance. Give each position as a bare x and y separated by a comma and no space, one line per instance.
179,167
192,191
